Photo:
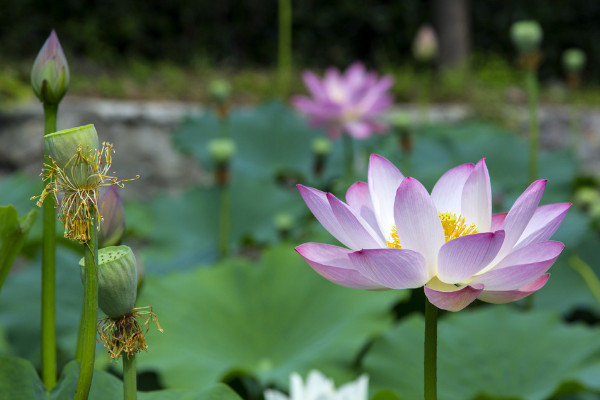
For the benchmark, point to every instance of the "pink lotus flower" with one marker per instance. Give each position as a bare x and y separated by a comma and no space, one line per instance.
347,103
399,236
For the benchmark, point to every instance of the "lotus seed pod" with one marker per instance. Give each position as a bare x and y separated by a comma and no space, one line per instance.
284,221
221,150
63,146
401,120
574,60
526,36
219,90
112,227
50,73
117,280
425,46
321,146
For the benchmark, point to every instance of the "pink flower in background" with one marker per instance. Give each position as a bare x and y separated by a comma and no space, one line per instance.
398,236
349,102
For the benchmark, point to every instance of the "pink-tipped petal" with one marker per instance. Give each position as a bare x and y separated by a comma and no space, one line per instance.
418,222
498,221
447,192
463,257
521,267
392,268
358,199
520,215
360,233
543,224
322,110
318,204
314,85
453,301
333,264
383,179
358,129
507,296
476,204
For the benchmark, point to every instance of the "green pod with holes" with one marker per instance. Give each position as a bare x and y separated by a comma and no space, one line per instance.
117,280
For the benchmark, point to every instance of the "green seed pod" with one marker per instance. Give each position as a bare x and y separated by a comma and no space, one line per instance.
321,146
574,60
63,146
117,280
221,150
219,90
526,36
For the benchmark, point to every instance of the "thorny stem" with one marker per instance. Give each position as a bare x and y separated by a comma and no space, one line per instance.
224,219
129,377
90,301
534,127
430,351
49,272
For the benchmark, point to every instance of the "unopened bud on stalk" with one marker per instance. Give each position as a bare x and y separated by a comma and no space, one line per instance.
112,227
117,280
284,222
401,120
574,60
425,45
50,72
526,36
63,147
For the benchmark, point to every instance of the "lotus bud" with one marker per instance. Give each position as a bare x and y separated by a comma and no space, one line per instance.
574,60
219,90
50,72
113,217
284,222
526,36
117,280
425,45
64,146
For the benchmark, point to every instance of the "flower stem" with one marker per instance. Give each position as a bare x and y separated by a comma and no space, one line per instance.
49,272
534,126
90,301
430,351
129,378
284,59
348,160
224,219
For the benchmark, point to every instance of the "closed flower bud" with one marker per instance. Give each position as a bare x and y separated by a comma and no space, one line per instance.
219,90
574,60
526,36
113,217
221,150
50,72
425,45
63,146
117,280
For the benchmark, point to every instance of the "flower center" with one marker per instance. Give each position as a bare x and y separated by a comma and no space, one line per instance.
455,226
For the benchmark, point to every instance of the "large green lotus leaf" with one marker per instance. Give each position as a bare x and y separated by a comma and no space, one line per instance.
494,352
267,318
20,306
13,231
566,290
20,381
183,230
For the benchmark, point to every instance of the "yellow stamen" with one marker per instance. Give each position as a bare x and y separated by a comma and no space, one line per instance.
395,243
455,227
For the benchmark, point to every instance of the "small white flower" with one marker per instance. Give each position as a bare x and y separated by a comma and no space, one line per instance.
319,387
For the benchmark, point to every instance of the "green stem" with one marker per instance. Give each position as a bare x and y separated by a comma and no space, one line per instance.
424,94
430,351
284,62
90,301
49,272
534,126
79,351
348,160
129,378
224,219
588,275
